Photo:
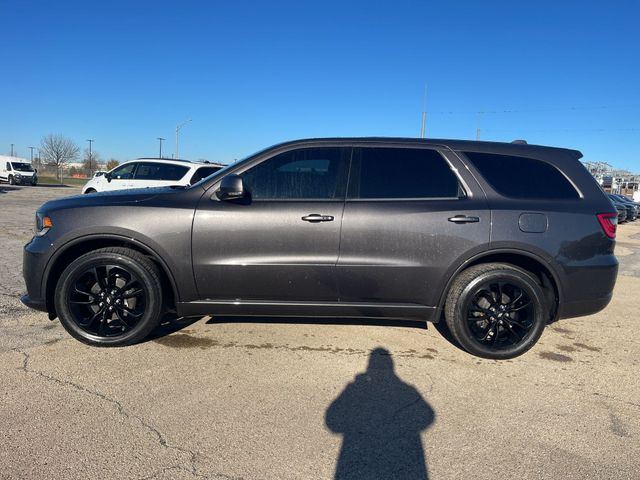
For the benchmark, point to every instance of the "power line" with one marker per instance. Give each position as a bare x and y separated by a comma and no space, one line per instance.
532,110
565,130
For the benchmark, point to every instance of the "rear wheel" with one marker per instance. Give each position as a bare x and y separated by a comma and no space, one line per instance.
496,310
109,297
90,190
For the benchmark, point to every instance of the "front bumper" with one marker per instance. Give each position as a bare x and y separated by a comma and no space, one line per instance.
34,261
25,180
35,304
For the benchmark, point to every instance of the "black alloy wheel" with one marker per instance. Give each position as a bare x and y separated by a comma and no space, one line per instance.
106,300
496,310
110,297
500,314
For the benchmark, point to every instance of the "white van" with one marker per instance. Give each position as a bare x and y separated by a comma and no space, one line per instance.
17,171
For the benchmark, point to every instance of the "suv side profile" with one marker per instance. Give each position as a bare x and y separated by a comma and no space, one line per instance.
494,239
151,172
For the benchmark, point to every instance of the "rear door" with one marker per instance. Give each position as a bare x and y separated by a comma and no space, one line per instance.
412,214
281,242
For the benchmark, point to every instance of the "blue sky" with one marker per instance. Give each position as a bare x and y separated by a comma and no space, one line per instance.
251,74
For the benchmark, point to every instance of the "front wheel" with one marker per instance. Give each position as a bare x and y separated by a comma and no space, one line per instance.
11,180
496,310
109,297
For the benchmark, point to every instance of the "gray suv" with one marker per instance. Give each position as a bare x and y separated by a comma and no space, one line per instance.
494,239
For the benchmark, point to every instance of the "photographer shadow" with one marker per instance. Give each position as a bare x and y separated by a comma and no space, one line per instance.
380,418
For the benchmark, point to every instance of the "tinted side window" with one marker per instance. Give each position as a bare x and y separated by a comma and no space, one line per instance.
203,172
522,177
308,173
402,173
160,171
124,172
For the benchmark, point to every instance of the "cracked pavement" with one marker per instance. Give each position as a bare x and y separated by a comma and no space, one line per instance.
226,398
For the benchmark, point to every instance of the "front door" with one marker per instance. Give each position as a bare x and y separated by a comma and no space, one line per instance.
121,177
280,242
409,219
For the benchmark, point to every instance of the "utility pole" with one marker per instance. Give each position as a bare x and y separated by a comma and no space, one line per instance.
178,127
160,139
90,157
424,112
12,149
478,129
32,148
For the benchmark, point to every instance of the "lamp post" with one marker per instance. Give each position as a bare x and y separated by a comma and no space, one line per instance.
178,127
32,148
160,139
12,149
90,157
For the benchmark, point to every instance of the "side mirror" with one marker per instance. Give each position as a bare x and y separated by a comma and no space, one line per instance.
108,177
35,170
231,188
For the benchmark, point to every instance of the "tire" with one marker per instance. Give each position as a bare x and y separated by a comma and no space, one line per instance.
496,310
110,297
11,180
34,183
90,190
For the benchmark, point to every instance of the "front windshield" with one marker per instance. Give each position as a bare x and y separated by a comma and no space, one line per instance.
22,167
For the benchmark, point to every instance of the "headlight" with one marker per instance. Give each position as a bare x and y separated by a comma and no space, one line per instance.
18,175
43,224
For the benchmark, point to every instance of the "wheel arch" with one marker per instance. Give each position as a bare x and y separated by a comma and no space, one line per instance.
80,246
528,261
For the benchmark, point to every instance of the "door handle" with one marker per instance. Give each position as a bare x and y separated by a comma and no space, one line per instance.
464,219
316,217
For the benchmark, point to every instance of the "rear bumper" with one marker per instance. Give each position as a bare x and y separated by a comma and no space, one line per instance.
584,307
589,287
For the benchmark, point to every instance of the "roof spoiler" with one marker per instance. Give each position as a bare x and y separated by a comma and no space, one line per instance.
519,142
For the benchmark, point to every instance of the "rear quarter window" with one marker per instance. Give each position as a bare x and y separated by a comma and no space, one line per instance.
522,177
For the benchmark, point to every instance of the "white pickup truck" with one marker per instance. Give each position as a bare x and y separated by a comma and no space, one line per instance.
17,171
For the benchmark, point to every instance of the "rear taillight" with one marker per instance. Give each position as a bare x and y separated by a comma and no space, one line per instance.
609,223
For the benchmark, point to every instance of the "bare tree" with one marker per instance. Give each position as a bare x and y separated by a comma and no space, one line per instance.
57,151
112,163
90,162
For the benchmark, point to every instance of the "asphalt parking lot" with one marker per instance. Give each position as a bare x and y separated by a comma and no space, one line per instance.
226,398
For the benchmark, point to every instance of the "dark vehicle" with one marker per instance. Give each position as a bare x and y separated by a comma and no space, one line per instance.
622,211
628,201
433,230
631,207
